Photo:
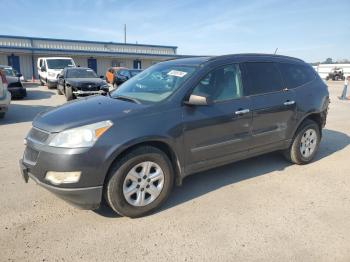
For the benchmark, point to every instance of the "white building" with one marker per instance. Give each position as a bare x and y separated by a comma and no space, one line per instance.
22,53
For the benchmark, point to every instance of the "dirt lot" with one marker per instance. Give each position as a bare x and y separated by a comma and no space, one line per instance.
262,209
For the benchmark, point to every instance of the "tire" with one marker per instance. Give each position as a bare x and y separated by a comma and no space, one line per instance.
117,182
2,115
299,154
59,92
69,93
336,78
41,81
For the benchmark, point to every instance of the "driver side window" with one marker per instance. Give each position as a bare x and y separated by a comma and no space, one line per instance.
221,84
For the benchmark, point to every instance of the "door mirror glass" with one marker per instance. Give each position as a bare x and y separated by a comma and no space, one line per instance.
198,100
43,69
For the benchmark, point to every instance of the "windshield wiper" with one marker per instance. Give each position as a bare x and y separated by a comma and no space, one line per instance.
126,98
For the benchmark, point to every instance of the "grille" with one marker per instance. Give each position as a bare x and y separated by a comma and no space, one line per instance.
30,155
90,87
38,135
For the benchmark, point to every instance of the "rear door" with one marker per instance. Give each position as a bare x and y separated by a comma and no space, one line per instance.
217,133
272,105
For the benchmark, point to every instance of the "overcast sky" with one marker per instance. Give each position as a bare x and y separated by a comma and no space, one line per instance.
311,30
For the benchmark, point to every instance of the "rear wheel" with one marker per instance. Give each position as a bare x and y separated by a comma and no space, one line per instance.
139,182
305,143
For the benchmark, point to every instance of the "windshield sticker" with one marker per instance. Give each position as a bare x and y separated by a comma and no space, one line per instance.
176,73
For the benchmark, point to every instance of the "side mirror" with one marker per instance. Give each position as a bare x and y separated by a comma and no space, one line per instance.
197,100
19,75
60,77
43,69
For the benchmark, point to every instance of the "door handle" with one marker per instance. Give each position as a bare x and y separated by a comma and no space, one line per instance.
288,103
242,111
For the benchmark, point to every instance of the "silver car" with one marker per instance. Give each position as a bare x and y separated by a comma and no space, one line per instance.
5,96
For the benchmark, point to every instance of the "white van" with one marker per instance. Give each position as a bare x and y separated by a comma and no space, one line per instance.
50,67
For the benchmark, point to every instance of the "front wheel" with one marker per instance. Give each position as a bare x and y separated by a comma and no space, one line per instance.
305,143
139,182
69,93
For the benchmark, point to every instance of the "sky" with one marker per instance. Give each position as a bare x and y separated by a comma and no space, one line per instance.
307,29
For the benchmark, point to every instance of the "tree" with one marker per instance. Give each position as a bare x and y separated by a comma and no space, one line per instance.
328,61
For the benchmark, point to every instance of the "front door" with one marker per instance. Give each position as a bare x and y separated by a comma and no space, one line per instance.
217,133
13,61
273,106
92,64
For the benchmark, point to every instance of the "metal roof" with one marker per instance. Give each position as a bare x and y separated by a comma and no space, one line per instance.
83,41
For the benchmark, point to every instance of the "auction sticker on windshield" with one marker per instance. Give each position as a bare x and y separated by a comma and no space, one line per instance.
177,73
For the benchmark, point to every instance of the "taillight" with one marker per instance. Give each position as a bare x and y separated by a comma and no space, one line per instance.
3,78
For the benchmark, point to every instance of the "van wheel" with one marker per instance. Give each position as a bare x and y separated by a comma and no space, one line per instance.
139,182
305,143
69,93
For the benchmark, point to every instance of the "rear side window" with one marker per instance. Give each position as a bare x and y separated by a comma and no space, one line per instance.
296,75
261,77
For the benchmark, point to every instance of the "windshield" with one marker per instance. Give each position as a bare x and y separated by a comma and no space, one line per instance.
155,83
81,73
9,71
59,63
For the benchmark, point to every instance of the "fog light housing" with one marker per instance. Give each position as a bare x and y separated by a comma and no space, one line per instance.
58,178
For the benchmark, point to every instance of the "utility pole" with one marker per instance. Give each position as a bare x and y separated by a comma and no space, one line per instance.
124,33
276,51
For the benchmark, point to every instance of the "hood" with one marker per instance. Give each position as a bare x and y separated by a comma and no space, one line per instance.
84,81
85,111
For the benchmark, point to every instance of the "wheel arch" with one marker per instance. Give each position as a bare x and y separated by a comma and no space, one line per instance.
157,143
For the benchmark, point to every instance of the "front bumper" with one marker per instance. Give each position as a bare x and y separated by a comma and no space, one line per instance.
52,82
18,92
84,93
84,198
4,102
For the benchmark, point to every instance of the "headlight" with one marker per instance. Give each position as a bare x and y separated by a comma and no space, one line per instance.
51,74
84,136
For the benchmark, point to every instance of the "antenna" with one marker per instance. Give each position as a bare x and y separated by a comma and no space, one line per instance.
275,51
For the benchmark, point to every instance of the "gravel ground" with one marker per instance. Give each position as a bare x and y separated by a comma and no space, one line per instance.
261,209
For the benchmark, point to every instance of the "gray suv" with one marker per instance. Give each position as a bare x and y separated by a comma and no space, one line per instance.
174,119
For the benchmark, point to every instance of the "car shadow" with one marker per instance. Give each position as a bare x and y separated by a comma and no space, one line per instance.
202,183
18,113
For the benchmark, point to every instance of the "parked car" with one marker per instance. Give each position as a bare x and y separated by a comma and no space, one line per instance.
117,75
80,81
174,119
5,96
134,72
15,86
336,74
50,67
